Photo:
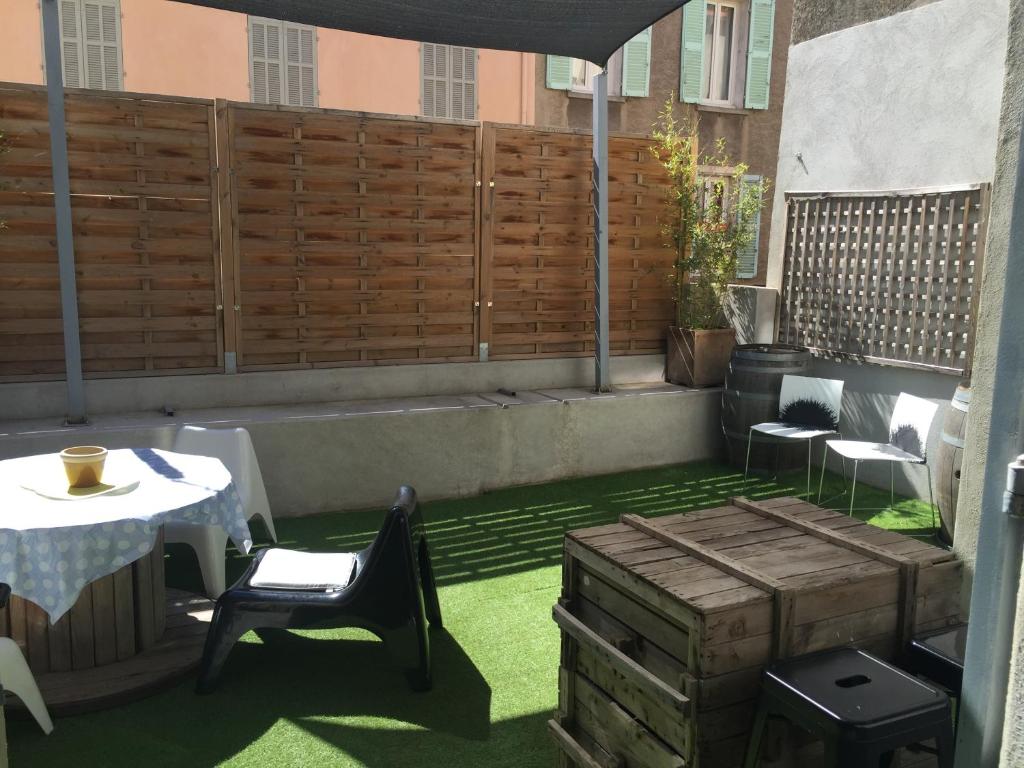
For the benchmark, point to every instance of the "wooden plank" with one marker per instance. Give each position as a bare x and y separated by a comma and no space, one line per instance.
37,638
625,666
141,574
124,612
568,744
104,622
60,644
159,593
83,646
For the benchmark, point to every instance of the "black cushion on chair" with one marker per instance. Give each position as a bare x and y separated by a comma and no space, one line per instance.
391,592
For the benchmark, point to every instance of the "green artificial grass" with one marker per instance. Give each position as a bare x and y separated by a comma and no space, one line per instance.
333,698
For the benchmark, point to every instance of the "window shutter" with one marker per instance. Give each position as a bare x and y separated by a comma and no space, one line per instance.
70,44
691,59
559,74
463,83
265,57
434,58
636,65
300,73
759,53
746,259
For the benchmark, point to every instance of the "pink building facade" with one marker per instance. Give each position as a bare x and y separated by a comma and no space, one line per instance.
183,50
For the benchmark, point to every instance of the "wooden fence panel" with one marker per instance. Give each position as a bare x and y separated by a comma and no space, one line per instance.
356,238
538,246
144,217
887,277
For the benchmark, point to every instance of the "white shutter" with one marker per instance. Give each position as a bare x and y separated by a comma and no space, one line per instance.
71,43
434,69
101,25
300,42
463,83
267,61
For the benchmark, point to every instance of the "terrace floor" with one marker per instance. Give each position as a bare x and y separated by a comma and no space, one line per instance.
308,700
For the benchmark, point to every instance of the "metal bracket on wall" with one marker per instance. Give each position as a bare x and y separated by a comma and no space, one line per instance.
484,351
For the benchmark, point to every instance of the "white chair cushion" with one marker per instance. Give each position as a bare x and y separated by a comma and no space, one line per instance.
790,431
862,451
288,569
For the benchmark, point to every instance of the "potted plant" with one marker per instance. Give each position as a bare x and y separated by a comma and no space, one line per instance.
710,216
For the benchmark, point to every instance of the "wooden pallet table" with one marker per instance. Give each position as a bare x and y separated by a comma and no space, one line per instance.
667,622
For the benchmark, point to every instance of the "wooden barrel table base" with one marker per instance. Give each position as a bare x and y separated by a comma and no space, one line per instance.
168,660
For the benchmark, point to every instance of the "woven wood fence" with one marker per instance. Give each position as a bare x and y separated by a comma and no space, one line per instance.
888,277
144,216
537,235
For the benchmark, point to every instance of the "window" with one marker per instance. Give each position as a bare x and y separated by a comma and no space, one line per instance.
720,49
448,81
282,63
629,70
90,43
726,52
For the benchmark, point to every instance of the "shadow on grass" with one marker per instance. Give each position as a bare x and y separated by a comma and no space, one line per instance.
519,529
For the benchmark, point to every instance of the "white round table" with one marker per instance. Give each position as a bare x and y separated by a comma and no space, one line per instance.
89,571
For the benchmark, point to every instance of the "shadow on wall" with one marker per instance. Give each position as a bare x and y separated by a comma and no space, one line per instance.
869,397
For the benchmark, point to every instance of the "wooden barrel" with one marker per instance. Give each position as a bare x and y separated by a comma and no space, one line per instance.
949,456
751,396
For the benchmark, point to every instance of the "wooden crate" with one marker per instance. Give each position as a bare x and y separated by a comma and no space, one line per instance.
667,622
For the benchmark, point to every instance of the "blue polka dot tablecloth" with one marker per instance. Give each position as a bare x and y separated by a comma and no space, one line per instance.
50,549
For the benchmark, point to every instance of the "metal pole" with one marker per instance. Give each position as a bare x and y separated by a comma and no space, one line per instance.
1001,533
602,375
62,207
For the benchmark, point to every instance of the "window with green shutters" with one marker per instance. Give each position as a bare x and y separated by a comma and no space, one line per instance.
629,70
726,52
282,63
90,39
448,85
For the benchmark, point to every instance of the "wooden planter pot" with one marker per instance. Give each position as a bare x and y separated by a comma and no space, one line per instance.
698,358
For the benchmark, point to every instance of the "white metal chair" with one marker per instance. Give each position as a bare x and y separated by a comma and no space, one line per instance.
808,408
234,448
16,677
908,444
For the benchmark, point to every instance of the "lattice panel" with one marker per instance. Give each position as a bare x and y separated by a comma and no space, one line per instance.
888,277
356,238
538,254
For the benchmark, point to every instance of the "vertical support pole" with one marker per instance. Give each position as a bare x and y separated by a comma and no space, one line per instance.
62,208
602,375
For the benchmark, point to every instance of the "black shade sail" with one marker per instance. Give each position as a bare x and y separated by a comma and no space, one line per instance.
584,29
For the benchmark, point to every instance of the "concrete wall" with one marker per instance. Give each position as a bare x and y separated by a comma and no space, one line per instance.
751,136
353,455
871,107
45,400
183,50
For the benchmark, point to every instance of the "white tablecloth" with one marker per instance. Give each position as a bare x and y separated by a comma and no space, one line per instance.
50,549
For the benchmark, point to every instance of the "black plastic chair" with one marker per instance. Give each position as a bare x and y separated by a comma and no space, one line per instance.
861,707
391,594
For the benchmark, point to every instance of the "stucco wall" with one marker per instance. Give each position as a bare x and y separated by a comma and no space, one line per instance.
184,50
885,105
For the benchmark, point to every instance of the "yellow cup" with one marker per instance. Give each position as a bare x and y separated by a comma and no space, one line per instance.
84,465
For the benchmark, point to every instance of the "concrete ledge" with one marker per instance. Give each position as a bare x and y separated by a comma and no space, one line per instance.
43,399
353,454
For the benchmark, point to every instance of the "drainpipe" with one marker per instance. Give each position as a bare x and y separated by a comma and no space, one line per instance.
62,209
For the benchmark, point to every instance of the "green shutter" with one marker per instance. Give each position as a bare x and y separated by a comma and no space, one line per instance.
636,65
759,53
559,73
691,59
746,259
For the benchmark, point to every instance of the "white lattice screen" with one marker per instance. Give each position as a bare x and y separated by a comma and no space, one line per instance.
885,276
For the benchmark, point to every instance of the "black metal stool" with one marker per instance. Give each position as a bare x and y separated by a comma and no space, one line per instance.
861,707
939,656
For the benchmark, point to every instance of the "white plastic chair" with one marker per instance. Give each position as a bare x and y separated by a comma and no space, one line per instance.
234,448
908,444
808,408
16,677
